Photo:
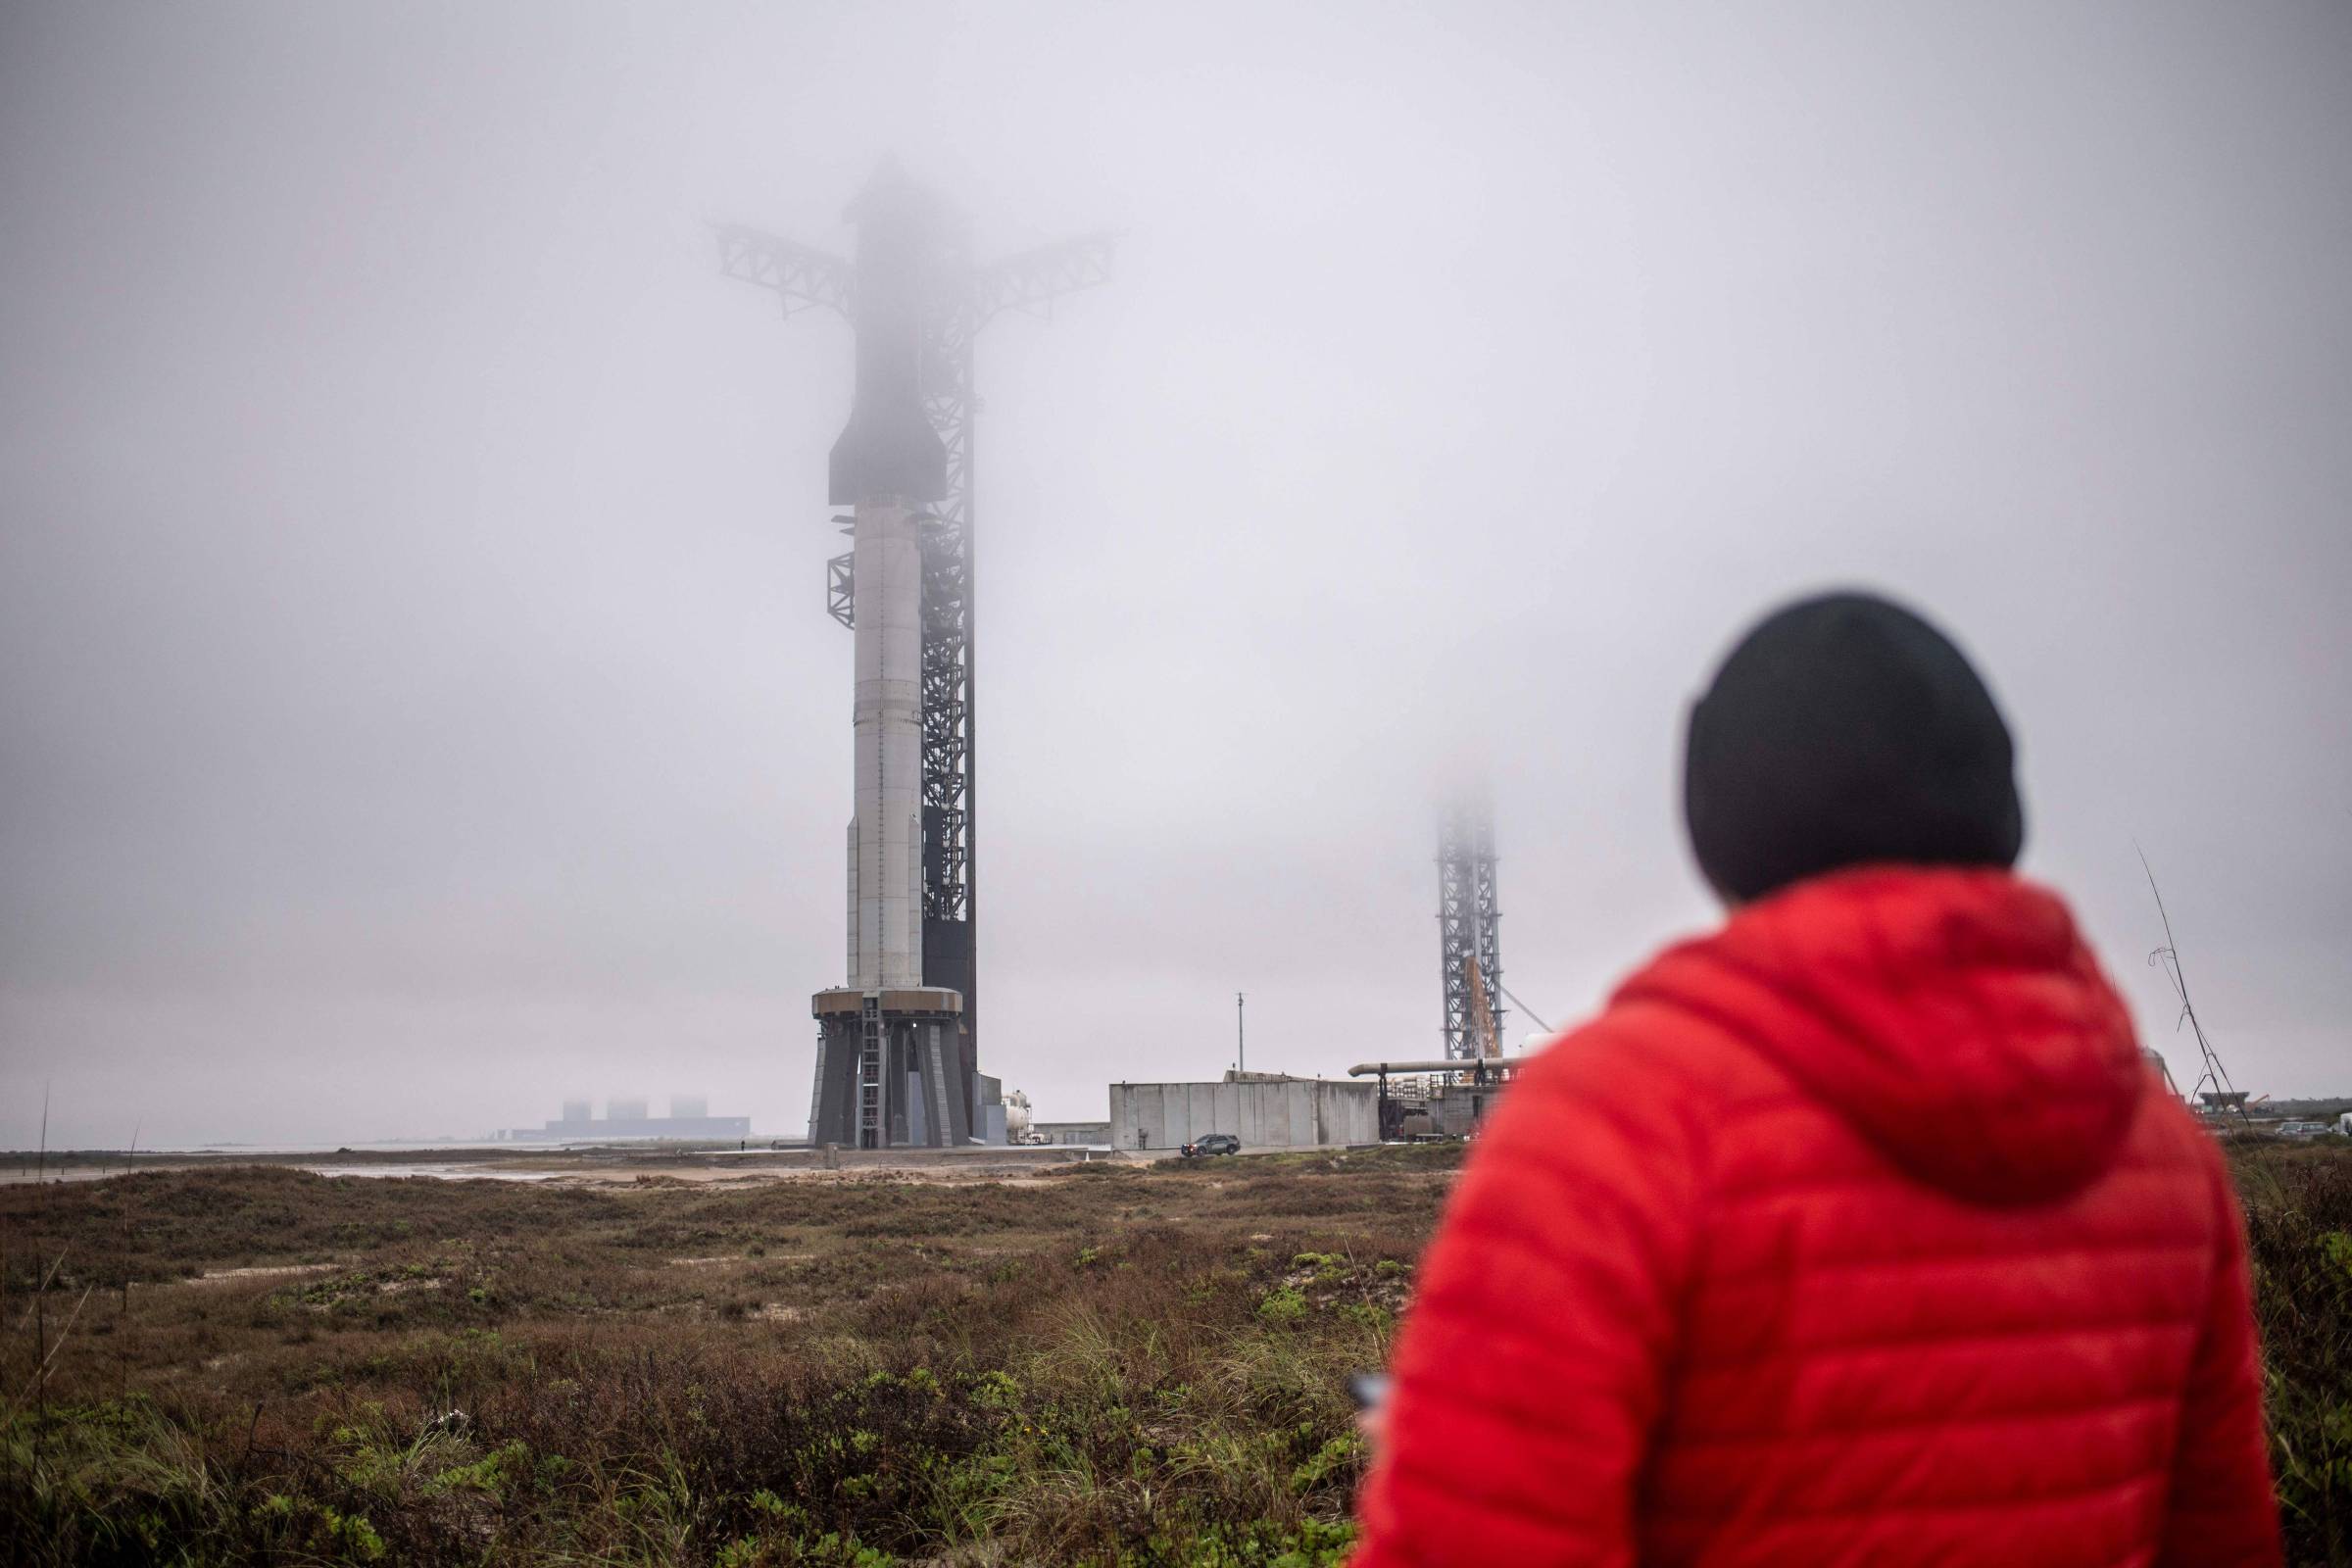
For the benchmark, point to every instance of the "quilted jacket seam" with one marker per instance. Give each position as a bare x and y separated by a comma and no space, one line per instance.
1778,1436
1813,1185
1878,1508
1950,1339
1912,1260
2153,1171
2007,1503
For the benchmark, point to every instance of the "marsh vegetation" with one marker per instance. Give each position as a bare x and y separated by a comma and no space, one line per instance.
1109,1364
1113,1365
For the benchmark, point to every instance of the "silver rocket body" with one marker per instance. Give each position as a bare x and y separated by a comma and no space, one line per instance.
891,1067
886,835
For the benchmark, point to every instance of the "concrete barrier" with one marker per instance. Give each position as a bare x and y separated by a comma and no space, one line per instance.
1263,1114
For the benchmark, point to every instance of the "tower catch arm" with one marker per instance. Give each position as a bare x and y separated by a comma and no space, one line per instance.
1033,279
801,274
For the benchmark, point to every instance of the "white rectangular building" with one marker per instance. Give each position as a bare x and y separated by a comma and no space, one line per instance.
1263,1111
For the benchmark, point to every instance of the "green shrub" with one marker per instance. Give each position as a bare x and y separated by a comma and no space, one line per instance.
1283,1304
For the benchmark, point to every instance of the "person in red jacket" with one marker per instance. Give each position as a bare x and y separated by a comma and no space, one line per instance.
1857,1232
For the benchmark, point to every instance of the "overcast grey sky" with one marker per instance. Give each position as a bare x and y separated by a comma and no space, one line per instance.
419,703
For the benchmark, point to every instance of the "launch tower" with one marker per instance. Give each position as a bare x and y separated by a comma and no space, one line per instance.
898,1054
1469,927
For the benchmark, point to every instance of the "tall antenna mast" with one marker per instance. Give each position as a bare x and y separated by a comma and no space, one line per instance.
2222,1096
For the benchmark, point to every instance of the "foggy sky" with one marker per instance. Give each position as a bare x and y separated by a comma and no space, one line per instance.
417,700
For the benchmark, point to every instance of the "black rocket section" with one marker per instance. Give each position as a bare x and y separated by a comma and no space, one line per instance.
888,447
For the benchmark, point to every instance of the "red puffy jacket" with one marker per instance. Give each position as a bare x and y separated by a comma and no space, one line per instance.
1853,1234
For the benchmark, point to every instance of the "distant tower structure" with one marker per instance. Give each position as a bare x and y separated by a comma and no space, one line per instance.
1469,937
904,467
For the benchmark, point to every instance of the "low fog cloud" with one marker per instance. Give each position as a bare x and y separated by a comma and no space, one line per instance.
417,700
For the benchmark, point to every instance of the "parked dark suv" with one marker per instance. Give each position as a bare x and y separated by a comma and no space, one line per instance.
1212,1143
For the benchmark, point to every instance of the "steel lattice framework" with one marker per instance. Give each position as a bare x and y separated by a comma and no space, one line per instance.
1469,924
966,298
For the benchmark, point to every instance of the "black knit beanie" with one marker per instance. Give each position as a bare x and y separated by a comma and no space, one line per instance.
1844,730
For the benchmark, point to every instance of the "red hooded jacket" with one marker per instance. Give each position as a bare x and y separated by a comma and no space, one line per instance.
1856,1233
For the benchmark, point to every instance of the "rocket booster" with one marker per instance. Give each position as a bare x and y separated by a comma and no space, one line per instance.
886,838
889,466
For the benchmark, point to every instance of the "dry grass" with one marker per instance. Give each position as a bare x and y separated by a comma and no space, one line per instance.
1113,1365
1108,1365
2299,1233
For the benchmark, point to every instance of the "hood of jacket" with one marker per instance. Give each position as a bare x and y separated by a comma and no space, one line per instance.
1953,1017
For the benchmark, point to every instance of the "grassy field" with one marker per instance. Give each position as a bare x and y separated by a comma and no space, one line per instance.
1103,1364
1098,1365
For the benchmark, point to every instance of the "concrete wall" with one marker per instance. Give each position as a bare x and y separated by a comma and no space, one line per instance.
1295,1113
1072,1132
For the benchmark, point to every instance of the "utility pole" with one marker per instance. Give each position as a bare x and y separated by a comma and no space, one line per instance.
957,299
1240,1037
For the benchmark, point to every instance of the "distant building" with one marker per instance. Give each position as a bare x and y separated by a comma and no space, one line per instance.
1437,1097
1265,1111
988,1126
1096,1133
688,1120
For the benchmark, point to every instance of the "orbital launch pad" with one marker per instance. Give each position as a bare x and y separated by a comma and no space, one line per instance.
898,1056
